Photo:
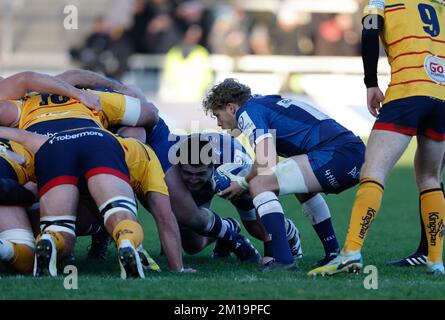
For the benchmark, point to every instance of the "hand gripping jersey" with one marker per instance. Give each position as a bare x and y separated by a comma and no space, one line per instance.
414,39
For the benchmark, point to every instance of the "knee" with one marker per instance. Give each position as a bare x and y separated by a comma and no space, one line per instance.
424,180
260,184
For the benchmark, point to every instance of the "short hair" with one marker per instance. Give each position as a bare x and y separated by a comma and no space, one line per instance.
228,91
195,150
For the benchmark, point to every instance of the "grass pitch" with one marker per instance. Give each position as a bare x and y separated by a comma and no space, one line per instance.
394,234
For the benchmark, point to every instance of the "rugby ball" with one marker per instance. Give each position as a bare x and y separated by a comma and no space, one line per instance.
220,180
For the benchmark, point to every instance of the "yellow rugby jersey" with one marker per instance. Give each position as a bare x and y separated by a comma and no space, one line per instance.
24,171
146,172
41,107
413,36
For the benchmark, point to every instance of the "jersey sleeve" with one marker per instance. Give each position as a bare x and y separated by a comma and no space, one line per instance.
254,125
375,7
118,109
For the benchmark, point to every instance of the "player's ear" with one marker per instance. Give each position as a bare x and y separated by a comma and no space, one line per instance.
231,107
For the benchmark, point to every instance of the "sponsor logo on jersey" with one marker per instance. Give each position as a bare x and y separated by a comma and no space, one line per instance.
435,68
246,124
75,136
53,114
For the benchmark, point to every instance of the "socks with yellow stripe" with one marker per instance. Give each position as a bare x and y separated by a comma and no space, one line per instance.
128,229
366,206
433,215
23,258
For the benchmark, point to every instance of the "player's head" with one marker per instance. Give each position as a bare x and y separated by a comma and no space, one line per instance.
195,160
224,99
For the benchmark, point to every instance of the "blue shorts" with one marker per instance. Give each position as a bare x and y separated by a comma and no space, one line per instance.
337,167
74,156
7,171
418,115
161,141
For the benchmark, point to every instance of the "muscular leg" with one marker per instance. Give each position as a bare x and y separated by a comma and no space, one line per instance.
115,199
293,175
428,177
382,152
57,204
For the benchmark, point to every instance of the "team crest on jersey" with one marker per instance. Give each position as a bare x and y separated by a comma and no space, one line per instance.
245,123
377,4
435,68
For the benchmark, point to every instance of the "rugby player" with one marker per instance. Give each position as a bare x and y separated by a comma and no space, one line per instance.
321,156
119,212
17,242
50,113
413,37
197,173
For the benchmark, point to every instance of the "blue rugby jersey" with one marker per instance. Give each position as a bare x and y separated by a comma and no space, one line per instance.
298,127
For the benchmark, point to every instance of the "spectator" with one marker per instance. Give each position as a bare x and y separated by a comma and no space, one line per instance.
187,73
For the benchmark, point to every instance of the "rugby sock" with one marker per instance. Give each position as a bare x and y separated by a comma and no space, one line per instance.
272,216
423,245
218,228
433,214
366,206
317,211
128,229
23,259
291,229
326,233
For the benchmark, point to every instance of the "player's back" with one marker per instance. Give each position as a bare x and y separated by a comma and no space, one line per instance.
297,126
146,173
49,113
414,39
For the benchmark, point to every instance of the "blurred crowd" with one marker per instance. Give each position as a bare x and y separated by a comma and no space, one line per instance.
188,29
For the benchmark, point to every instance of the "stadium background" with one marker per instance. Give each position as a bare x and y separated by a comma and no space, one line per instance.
309,49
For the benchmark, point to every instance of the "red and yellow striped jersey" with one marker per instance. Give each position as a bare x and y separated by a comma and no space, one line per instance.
414,39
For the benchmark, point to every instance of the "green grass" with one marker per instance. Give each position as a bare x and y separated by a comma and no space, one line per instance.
394,234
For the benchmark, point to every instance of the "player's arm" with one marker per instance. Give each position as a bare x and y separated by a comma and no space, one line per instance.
265,160
89,79
373,22
16,86
147,113
159,206
31,141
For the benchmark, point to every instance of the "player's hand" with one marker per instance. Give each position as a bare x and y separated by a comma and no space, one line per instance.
232,192
90,100
375,98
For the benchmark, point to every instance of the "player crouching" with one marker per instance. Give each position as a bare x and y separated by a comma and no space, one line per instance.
71,162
